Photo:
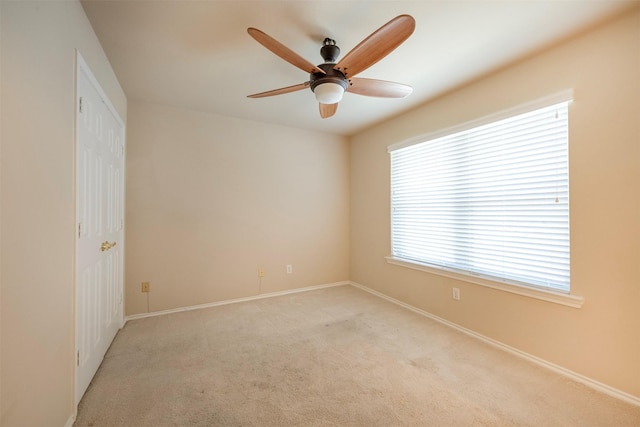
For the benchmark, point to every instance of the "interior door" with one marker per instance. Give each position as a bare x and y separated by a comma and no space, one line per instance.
100,226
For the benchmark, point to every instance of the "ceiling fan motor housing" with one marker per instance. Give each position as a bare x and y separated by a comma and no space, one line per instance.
331,76
329,50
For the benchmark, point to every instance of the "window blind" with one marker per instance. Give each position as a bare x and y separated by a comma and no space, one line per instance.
491,201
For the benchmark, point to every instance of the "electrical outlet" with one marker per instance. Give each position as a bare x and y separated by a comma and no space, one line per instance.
146,287
289,269
261,272
456,294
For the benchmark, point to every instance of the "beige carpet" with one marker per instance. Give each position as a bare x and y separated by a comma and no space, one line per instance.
332,357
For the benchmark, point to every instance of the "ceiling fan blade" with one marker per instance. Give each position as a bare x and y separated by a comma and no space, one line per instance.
378,45
328,110
283,52
378,88
281,90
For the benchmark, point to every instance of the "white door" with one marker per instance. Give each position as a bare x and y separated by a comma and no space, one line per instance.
100,226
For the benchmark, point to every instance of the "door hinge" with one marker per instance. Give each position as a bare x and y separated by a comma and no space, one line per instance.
79,229
80,104
78,358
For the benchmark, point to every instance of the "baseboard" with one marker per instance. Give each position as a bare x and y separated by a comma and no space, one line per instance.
234,301
70,421
589,382
596,385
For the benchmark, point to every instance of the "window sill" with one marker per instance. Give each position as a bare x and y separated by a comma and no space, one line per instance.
544,295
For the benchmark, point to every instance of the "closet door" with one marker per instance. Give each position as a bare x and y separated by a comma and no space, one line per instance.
100,226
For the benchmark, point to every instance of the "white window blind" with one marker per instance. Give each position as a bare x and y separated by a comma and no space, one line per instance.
491,201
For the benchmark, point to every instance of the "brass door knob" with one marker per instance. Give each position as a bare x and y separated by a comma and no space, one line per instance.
105,246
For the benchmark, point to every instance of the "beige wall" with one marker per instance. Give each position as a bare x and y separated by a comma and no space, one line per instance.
37,196
211,199
602,339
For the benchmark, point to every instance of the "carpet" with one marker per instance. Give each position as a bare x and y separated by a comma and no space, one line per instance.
330,357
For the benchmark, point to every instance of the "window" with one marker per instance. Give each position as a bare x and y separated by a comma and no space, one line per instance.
489,200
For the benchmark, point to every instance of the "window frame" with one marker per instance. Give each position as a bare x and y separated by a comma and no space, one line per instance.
546,294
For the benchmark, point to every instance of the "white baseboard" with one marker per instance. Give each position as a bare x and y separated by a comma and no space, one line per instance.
234,301
596,385
70,421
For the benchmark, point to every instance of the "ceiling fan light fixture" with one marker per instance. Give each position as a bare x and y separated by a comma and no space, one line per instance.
329,92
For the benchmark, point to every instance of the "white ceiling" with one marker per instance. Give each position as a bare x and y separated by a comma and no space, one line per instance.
198,55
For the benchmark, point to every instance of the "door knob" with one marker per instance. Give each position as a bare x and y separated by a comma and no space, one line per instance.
105,246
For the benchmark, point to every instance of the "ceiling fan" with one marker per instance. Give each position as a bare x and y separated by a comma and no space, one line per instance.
329,81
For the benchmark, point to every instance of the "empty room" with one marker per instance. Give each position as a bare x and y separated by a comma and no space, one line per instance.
319,213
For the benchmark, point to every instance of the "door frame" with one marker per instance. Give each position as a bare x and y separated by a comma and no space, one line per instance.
82,66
